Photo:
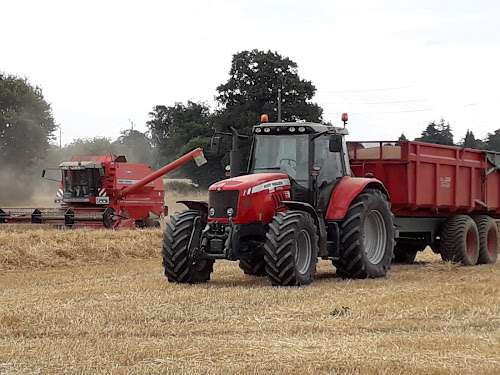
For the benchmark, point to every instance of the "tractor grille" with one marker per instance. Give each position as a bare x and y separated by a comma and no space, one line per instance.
278,197
220,201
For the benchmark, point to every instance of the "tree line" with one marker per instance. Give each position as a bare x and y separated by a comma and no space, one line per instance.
259,82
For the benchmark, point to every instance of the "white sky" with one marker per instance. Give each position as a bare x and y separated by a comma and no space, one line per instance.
394,66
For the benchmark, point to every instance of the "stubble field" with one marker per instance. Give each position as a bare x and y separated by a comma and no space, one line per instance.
97,302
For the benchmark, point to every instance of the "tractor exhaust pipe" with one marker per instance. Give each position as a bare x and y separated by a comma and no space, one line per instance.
235,154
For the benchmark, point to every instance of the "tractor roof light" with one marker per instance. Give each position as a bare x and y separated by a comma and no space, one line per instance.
301,129
291,129
267,130
344,118
264,118
258,130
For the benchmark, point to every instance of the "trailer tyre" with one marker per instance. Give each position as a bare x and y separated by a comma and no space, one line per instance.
367,237
253,266
460,240
488,239
291,249
178,265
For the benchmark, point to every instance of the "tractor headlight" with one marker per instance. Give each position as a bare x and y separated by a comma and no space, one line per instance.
211,211
230,212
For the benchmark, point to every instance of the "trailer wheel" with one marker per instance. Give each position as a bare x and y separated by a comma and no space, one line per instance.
178,265
253,266
291,249
488,239
460,240
367,237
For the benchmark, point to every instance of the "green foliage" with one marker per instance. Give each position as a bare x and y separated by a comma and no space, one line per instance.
493,141
402,137
26,122
136,146
470,141
437,133
252,89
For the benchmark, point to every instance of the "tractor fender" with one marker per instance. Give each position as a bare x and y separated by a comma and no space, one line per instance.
348,189
318,221
201,206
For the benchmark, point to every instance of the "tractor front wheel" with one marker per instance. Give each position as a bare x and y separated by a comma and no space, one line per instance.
178,265
291,249
367,237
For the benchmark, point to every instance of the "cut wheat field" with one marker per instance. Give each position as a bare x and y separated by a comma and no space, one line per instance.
88,302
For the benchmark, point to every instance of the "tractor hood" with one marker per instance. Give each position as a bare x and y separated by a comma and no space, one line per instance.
253,183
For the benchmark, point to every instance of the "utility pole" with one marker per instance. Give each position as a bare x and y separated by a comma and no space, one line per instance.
60,136
279,105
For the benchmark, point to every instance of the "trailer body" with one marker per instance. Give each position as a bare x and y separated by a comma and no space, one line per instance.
430,180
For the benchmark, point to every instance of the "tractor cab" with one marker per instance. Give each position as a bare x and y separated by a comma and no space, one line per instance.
81,180
312,155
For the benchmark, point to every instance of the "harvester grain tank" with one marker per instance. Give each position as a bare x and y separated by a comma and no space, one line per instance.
105,192
309,194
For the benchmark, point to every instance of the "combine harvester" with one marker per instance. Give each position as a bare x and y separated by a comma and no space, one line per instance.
104,192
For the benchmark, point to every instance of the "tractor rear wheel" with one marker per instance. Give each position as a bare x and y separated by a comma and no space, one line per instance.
253,266
178,265
460,240
291,249
488,239
367,237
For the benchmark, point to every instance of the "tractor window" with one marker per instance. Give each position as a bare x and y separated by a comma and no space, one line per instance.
285,153
81,183
329,162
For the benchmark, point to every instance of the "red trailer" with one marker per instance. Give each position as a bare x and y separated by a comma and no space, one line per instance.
437,192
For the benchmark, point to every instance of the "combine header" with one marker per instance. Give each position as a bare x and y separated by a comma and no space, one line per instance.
104,192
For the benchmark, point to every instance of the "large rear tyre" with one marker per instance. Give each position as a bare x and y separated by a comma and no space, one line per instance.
253,266
460,240
291,249
367,237
488,239
178,265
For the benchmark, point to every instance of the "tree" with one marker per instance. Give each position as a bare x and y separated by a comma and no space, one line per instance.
26,122
437,133
252,90
493,141
470,141
402,137
136,146
180,128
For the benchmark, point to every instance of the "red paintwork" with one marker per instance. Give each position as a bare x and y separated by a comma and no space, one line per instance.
259,206
347,189
428,180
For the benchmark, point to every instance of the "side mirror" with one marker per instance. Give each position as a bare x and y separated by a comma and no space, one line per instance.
335,144
101,172
215,145
43,173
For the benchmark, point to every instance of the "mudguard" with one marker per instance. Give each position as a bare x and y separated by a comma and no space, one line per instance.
347,189
201,206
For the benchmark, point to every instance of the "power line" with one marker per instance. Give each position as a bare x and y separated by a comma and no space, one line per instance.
368,90
373,103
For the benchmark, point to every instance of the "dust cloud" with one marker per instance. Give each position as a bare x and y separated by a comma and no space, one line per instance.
25,189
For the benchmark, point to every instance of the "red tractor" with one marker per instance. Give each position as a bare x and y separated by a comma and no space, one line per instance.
298,202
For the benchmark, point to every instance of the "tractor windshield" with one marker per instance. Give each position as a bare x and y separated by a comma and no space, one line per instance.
286,153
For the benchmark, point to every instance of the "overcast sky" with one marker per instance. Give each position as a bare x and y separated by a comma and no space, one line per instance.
394,66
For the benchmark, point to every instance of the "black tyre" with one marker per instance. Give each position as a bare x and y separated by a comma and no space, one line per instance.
460,240
178,265
291,249
367,237
488,239
253,266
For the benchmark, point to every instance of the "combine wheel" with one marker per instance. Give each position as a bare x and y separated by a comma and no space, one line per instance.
291,249
253,266
367,237
488,239
460,240
178,265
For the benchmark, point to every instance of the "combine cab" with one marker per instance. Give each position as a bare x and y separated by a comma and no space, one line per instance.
104,192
